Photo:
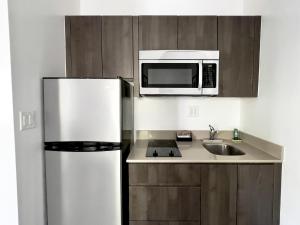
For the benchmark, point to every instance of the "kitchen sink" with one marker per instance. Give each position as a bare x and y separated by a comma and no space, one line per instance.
223,149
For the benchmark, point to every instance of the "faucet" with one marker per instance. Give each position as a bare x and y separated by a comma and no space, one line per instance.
212,132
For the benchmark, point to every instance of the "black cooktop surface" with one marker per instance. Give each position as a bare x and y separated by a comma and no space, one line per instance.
162,148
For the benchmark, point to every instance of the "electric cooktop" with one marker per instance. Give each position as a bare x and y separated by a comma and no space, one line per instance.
162,148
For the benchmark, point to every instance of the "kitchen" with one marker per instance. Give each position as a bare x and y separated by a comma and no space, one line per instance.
259,113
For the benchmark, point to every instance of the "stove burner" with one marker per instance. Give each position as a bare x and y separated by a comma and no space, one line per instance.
162,148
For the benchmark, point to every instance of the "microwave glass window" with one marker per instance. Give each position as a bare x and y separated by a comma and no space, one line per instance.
209,75
163,77
170,75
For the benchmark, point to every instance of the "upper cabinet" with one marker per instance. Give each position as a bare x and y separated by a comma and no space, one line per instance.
198,32
107,46
238,43
117,46
99,46
83,46
178,32
157,32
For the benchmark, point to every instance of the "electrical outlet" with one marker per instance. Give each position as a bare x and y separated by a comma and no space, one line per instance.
27,120
194,111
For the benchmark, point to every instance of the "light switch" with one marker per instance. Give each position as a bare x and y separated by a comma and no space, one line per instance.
194,111
27,120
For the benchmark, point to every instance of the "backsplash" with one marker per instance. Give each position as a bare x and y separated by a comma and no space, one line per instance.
170,134
191,113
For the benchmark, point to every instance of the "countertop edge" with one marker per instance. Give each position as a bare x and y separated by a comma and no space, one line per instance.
132,161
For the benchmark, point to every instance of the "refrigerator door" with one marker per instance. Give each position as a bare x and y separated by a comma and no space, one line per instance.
82,110
83,188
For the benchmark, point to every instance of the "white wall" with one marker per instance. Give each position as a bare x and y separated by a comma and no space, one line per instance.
191,113
275,114
37,50
8,187
161,7
157,113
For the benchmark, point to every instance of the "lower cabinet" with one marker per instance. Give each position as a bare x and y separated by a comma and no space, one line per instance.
224,194
218,194
257,195
162,223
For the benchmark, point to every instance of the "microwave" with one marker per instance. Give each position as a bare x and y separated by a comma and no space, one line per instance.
179,72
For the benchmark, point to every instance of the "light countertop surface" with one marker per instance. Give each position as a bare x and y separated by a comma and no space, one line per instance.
194,152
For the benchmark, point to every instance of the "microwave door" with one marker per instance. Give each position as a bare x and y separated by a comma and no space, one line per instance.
170,77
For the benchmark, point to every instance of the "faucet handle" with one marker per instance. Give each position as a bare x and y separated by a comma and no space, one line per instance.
212,132
212,129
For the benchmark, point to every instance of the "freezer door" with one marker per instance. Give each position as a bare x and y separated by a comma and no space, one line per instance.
82,110
83,188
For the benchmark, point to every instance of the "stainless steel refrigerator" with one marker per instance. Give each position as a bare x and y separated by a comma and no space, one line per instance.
88,128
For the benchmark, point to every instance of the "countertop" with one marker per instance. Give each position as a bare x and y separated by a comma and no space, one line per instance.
194,152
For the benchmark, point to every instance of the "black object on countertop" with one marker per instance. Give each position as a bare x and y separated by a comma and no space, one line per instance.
184,135
162,148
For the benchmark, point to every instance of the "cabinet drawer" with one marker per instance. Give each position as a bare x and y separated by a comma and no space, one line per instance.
164,203
162,223
165,174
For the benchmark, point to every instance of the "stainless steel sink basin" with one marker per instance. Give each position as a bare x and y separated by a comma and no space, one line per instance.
223,149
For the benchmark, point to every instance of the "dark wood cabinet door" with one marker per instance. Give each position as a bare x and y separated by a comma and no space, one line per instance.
117,46
198,32
157,32
238,42
164,174
162,223
218,194
255,194
183,223
135,21
277,193
164,203
83,46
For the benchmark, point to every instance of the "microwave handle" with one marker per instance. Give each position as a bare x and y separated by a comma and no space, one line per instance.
200,81
200,76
